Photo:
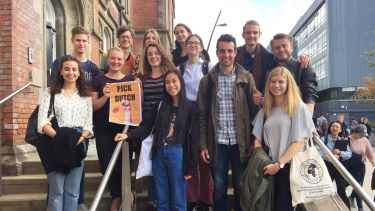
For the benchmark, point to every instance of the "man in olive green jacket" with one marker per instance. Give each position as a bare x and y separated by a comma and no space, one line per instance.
225,119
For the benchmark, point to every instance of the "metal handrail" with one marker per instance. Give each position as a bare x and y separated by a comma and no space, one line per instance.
108,173
348,177
18,91
1,102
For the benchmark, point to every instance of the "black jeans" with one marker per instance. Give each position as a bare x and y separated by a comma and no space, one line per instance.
340,182
105,146
282,194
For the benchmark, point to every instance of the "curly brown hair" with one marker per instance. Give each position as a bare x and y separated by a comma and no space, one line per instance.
166,62
81,84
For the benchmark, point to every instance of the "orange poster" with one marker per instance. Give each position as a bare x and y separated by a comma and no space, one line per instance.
125,103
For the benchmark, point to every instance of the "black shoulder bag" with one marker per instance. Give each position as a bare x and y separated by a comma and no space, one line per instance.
32,136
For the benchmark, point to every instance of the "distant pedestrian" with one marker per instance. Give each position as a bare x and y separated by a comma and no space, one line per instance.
340,149
320,121
361,148
345,129
364,120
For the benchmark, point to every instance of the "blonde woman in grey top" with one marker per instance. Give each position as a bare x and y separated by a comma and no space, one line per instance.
288,123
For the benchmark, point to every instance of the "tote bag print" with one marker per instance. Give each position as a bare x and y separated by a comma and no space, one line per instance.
309,177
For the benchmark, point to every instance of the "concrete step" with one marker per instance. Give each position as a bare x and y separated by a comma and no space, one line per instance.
35,166
37,201
38,183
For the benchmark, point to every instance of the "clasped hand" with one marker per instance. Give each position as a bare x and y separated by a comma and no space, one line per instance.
121,137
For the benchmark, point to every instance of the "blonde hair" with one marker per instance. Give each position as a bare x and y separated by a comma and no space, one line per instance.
292,95
115,49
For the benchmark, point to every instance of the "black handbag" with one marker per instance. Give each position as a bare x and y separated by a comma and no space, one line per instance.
32,135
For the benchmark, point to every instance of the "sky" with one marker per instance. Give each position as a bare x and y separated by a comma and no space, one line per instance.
274,16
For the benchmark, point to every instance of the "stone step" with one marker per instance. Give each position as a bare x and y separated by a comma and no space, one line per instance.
37,201
38,183
35,166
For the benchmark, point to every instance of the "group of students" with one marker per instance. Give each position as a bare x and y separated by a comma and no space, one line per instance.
202,116
85,108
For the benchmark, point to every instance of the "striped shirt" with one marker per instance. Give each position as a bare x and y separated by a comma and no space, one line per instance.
226,130
152,91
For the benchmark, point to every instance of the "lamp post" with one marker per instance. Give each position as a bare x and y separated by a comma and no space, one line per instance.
212,32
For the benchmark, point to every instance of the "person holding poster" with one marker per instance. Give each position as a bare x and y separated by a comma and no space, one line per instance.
171,160
105,130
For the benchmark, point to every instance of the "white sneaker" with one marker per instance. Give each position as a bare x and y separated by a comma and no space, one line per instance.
352,202
82,207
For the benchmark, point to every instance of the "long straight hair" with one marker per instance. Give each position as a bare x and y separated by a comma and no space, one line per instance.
292,96
163,120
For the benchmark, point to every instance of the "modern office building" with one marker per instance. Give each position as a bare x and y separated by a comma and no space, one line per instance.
336,34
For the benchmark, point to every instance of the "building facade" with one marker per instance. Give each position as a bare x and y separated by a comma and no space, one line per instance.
336,34
34,33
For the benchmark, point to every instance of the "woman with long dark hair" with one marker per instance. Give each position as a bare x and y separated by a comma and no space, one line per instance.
62,158
171,160
340,149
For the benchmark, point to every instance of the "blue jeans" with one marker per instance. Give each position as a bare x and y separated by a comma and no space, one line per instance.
64,190
360,176
167,168
151,197
227,154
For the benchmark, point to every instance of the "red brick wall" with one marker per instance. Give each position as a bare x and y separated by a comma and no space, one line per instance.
144,14
17,19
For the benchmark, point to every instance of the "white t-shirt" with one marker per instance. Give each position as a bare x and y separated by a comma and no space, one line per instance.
280,130
192,77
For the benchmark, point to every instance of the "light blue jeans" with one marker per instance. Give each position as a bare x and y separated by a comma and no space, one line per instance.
64,190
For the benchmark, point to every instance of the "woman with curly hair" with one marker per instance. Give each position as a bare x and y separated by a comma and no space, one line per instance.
62,158
154,64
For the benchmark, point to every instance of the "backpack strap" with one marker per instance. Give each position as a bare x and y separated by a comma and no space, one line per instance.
182,68
51,106
325,140
205,67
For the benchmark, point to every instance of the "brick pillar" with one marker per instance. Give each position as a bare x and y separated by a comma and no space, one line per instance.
19,30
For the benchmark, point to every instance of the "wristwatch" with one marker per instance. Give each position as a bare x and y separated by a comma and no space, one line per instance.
281,165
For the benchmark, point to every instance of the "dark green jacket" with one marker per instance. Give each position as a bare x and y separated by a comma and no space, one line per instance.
257,188
244,113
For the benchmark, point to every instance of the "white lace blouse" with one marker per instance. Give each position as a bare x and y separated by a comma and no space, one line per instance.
71,111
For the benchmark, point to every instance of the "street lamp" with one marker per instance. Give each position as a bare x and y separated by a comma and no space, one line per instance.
212,32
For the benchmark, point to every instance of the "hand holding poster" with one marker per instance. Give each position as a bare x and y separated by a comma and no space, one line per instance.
125,103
